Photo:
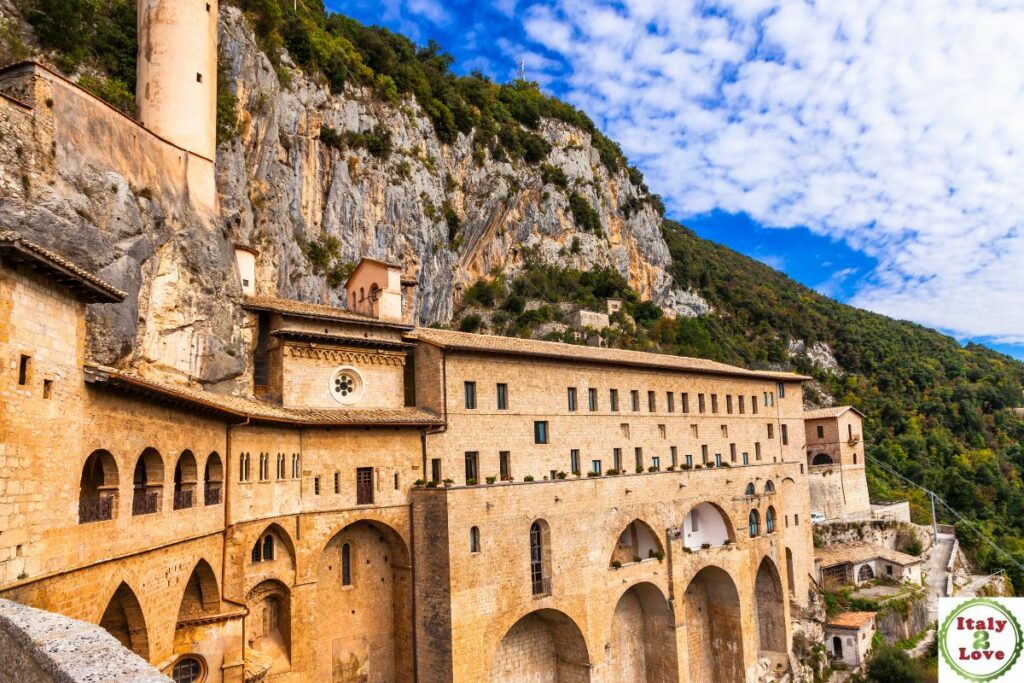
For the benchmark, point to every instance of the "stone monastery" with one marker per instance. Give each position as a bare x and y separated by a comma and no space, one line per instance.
387,502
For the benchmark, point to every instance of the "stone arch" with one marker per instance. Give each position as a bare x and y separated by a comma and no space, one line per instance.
754,523
769,610
707,523
201,597
540,557
642,642
750,490
865,573
368,631
268,626
636,540
147,482
186,475
822,459
213,479
123,618
282,552
97,494
714,628
544,645
770,520
790,575
769,486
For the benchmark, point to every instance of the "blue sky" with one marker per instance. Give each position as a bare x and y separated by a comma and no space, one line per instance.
871,150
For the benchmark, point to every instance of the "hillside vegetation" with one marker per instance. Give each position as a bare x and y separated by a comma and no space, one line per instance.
938,413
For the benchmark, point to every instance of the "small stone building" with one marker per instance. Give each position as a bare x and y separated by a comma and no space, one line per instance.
848,637
859,562
835,462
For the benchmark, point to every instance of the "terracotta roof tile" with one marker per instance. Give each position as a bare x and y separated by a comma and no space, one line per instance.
850,619
533,347
90,287
861,551
257,410
305,309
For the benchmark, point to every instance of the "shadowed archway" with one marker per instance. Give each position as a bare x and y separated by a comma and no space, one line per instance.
124,620
770,613
642,642
714,630
545,646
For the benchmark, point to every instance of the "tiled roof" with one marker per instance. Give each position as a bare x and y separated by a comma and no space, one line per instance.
861,551
303,309
89,287
834,411
588,354
260,411
850,619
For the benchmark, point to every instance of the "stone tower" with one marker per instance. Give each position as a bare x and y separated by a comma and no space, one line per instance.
177,72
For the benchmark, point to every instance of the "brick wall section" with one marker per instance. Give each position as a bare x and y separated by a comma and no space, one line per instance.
839,490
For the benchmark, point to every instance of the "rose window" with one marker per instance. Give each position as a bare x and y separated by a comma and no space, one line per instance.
346,385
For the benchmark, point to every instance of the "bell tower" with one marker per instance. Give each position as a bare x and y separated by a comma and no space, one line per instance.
177,72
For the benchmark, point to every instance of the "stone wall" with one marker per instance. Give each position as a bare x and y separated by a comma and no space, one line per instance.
896,623
42,647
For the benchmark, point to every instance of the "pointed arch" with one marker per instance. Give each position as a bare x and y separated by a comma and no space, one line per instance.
642,638
123,618
714,627
769,486
750,490
637,540
274,544
97,494
201,597
707,523
769,608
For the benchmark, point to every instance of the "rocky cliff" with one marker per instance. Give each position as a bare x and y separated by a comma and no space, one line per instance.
449,217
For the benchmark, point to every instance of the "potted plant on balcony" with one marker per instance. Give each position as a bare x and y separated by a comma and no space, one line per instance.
419,483
562,475
448,482
616,564
528,477
592,473
491,480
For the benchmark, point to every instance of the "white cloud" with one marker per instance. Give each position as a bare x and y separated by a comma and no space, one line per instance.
894,125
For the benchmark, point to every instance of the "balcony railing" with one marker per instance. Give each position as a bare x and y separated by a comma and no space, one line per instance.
211,494
183,499
145,503
95,509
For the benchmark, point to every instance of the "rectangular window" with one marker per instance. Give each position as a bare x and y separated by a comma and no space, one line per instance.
435,470
785,435
686,402
617,458
505,465
753,404
624,428
656,463
662,431
781,388
718,459
728,404
746,458
572,399
742,404
634,400
670,402
472,460
337,482
470,395
364,485
771,431
796,519
502,397
595,466
638,457
694,517
714,403
688,459
704,454
652,402
757,450
613,400
396,481
47,388
675,456
695,431
700,403
574,461
821,432
24,366
540,432
316,486
592,399
725,431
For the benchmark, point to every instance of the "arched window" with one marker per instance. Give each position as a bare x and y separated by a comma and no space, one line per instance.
147,482
213,479
268,547
749,491
769,520
822,459
474,540
187,670
754,521
257,551
537,560
346,565
769,486
185,481
97,496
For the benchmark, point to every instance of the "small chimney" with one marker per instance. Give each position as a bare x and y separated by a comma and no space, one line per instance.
409,285
245,261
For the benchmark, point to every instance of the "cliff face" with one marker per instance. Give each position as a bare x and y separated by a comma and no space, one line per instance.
86,181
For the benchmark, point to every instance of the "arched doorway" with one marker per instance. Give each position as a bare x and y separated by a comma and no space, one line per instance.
643,638
545,646
636,542
364,573
770,612
837,647
865,573
706,524
97,495
124,620
268,626
714,630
